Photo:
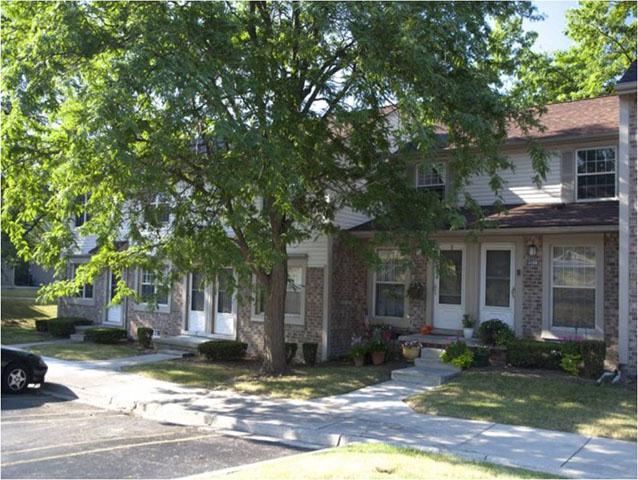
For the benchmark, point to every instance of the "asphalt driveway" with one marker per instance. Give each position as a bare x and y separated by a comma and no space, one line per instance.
43,437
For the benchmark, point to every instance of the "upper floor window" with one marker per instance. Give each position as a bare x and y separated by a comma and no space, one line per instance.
161,208
596,173
431,178
84,216
86,290
149,289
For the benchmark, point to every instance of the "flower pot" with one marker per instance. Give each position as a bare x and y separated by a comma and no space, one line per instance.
377,358
468,332
358,361
410,353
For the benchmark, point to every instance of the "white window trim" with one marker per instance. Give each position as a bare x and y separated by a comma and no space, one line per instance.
576,174
405,284
549,330
145,306
76,299
439,169
289,319
157,202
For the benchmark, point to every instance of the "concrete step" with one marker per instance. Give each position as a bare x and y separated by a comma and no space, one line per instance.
426,378
427,364
77,337
180,342
431,353
84,328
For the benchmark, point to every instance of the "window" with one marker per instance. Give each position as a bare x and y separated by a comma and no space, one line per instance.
197,292
84,216
295,292
86,290
451,278
431,179
225,292
390,285
149,289
574,286
161,209
596,173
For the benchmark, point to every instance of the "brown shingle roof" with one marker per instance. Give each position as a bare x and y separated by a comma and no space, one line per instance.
580,214
589,117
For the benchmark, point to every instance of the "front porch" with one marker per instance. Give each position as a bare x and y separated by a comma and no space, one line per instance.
187,343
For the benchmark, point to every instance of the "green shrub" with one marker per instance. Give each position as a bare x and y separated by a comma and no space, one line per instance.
105,335
145,337
377,346
223,349
593,353
291,351
358,350
309,351
464,360
61,326
534,354
571,363
481,357
453,350
495,332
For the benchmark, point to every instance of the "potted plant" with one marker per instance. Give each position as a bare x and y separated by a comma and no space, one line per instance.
411,349
468,326
357,353
377,349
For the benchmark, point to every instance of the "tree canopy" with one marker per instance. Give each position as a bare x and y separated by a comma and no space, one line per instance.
253,123
604,35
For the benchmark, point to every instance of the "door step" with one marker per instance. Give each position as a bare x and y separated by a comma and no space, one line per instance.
426,377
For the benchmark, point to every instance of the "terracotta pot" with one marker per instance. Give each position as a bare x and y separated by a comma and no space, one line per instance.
378,358
410,353
358,361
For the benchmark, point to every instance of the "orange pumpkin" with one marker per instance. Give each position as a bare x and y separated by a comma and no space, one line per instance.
426,329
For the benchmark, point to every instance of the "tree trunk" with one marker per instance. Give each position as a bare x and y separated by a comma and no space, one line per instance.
274,340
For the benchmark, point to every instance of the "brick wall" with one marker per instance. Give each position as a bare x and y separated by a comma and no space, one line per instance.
633,232
75,307
533,288
611,296
252,332
348,296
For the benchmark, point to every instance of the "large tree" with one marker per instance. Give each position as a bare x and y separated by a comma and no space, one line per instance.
255,121
604,36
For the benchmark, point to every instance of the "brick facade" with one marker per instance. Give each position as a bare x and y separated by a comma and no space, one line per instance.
532,272
611,297
93,309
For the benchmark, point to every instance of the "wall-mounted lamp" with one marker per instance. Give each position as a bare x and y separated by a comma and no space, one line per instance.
531,250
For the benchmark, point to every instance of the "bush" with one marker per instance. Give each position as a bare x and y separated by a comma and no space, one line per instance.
223,350
571,363
481,357
145,337
453,350
310,353
593,353
358,350
105,335
534,354
464,360
495,332
377,346
291,351
61,326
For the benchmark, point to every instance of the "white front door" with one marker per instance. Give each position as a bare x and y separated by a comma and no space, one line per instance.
114,313
497,283
225,308
196,305
449,288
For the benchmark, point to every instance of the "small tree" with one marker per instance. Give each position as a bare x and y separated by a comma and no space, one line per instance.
256,122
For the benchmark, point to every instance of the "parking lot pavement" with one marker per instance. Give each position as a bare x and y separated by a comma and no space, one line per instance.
43,437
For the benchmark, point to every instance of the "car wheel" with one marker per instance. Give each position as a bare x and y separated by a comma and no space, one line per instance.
15,378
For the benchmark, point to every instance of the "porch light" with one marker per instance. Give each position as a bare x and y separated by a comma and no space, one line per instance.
531,250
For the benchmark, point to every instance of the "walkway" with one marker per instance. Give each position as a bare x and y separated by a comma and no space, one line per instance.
375,413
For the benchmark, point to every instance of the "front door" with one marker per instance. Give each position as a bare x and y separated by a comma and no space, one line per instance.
449,288
196,305
114,313
497,283
225,308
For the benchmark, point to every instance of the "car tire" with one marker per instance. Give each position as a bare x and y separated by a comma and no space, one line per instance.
15,378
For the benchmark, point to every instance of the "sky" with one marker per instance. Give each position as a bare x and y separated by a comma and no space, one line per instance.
551,34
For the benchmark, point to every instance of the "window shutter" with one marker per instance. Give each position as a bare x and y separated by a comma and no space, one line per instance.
567,174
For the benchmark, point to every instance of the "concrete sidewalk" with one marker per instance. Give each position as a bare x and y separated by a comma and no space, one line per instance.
375,413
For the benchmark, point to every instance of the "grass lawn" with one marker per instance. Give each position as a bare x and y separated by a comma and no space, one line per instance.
377,461
303,382
19,316
535,400
87,351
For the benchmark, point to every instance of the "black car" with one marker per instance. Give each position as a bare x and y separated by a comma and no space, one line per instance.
19,369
